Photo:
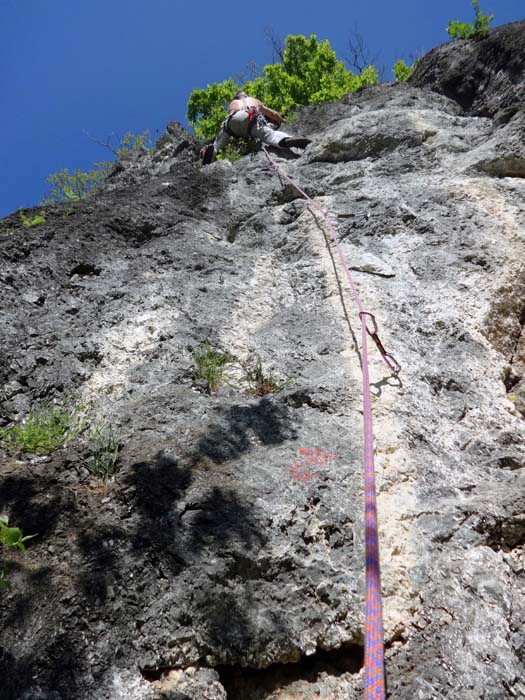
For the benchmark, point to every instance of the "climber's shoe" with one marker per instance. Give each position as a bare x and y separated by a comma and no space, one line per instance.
208,154
291,142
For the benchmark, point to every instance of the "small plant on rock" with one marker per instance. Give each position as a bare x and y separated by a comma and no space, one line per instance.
465,30
134,142
47,428
71,187
260,382
13,538
105,446
34,221
234,151
212,365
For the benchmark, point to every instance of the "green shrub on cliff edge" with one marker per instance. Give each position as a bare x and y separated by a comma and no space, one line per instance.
402,71
134,142
70,187
309,73
34,221
465,30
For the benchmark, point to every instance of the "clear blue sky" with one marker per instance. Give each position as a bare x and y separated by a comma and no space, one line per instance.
112,66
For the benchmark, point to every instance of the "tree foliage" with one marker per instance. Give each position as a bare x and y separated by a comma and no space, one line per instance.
33,221
206,106
308,73
465,30
402,71
134,142
70,187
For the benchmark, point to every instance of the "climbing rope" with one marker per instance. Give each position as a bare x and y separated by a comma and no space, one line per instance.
374,651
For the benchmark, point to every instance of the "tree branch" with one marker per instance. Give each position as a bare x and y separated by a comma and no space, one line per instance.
276,43
107,144
357,55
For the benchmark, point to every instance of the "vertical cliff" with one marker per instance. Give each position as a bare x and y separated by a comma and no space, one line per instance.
225,559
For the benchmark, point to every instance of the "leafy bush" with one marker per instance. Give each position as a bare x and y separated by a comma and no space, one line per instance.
47,428
401,71
70,187
212,365
261,383
309,72
10,537
234,151
26,221
133,142
465,30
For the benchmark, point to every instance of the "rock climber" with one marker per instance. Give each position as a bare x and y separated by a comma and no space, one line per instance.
249,119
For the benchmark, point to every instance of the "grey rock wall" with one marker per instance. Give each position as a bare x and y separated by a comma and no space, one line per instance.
220,563
485,75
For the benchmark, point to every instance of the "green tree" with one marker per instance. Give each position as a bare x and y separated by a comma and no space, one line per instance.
465,30
206,107
309,72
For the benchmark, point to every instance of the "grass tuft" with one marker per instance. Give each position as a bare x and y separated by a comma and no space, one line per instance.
47,428
212,365
261,382
105,445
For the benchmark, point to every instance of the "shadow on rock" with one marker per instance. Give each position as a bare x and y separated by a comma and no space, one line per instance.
221,519
27,508
157,487
267,421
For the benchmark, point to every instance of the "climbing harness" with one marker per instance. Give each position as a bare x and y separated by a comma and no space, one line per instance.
254,117
374,651
253,113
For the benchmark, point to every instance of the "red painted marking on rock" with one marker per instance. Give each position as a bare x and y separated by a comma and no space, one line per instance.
307,456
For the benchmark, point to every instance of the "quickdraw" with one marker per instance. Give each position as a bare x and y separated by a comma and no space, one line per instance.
389,359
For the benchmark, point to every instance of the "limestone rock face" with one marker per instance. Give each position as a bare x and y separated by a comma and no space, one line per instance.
485,76
225,558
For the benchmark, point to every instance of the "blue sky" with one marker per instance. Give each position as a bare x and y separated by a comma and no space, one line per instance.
112,66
